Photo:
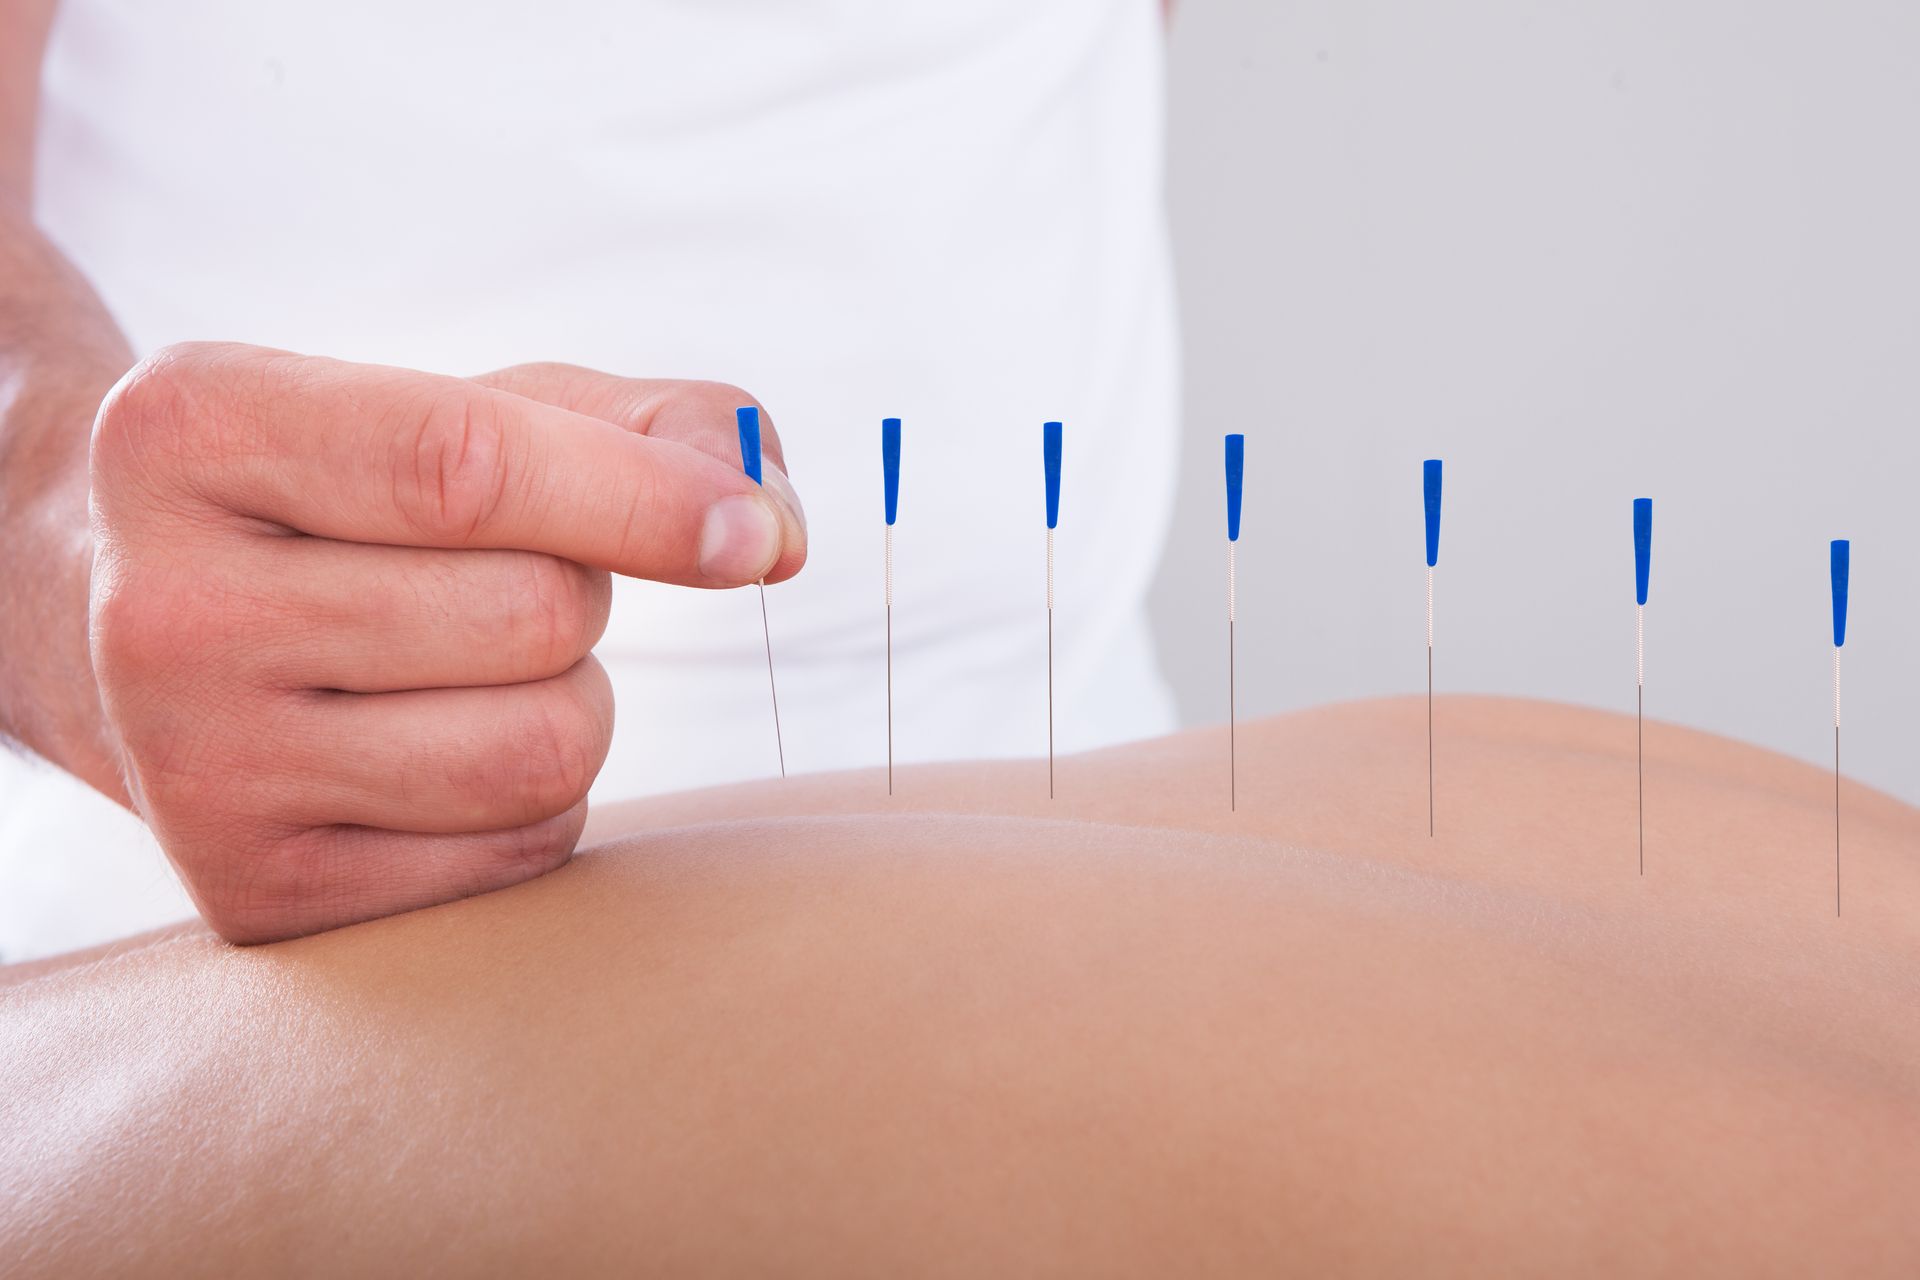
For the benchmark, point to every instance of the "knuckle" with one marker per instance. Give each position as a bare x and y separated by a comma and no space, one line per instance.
541,763
144,415
556,613
242,893
182,702
559,757
174,414
725,395
151,624
531,850
556,747
450,472
252,887
193,752
200,791
136,623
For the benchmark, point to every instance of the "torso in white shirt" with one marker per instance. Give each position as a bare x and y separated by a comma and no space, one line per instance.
948,213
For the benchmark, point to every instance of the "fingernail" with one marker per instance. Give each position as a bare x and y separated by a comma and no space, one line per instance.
740,540
776,483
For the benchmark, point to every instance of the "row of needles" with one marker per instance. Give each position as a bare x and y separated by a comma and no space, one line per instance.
1051,440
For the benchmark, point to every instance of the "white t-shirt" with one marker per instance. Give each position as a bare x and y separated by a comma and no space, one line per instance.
949,213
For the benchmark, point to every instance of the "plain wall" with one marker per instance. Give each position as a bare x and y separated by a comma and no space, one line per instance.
1584,253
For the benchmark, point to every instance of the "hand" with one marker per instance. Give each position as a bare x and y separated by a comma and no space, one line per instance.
341,614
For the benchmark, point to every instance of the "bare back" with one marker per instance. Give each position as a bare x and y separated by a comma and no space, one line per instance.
800,1027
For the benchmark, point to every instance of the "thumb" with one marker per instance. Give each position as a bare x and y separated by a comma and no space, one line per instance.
697,414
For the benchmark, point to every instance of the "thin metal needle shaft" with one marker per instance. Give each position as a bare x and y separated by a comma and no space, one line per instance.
1051,439
1430,476
890,486
1429,701
1642,574
1841,553
748,419
1233,749
889,659
767,632
1235,457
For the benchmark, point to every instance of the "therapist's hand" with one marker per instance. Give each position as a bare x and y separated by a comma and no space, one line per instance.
341,613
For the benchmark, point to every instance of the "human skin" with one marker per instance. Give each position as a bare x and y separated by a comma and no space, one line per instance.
804,1028
325,626
342,615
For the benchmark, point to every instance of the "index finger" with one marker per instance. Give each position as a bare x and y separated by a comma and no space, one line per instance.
365,453
697,414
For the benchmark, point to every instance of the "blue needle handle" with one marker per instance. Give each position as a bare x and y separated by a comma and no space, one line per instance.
1236,470
748,417
1642,546
1432,485
890,464
1050,450
1841,562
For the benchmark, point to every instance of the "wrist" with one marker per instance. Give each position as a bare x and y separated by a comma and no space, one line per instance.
49,701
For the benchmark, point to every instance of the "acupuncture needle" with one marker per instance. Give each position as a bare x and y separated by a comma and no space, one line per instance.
1840,556
1236,470
748,417
1642,561
1431,485
890,475
1050,439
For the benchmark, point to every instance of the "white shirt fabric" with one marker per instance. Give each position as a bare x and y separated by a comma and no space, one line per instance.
949,213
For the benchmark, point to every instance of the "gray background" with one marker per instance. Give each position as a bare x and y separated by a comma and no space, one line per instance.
1583,253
